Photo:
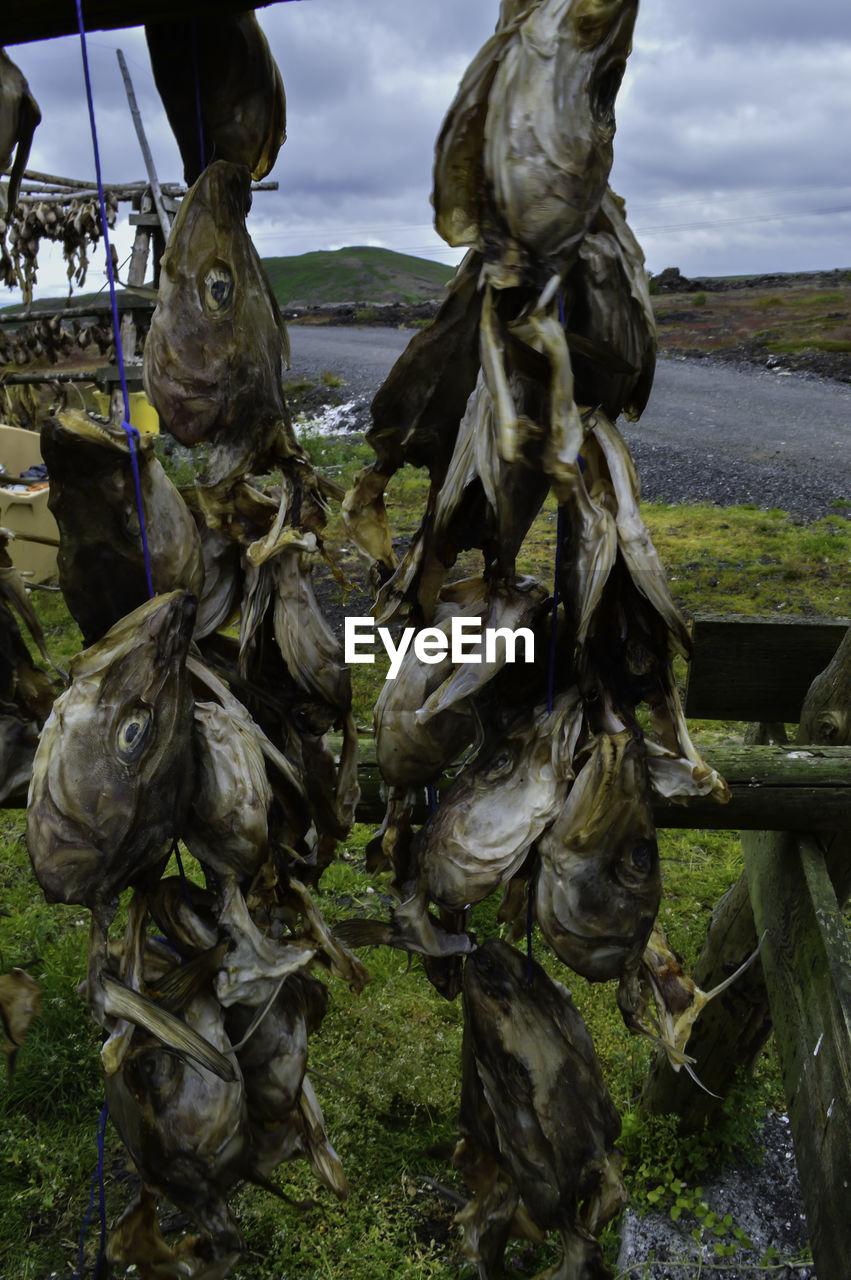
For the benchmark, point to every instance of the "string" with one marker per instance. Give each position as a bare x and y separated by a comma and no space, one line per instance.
133,438
97,1177
431,797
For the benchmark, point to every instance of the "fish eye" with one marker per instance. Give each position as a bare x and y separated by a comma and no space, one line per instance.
501,764
218,289
132,732
155,1069
640,862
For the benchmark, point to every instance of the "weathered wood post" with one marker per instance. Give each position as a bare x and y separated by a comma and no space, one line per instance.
797,885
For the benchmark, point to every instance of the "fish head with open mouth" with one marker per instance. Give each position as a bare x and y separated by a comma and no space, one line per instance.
598,886
112,775
214,352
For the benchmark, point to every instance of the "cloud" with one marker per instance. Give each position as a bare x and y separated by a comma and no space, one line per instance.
728,151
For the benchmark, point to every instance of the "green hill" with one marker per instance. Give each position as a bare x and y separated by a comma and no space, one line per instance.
359,273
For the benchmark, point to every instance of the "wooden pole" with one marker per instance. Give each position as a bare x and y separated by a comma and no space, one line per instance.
165,223
731,1032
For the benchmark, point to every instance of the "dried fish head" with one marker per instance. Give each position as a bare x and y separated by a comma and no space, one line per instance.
185,1128
610,320
112,775
101,558
498,806
240,93
227,826
214,351
274,1058
551,122
598,887
534,1100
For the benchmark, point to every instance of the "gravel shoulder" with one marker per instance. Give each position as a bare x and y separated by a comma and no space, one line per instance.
713,431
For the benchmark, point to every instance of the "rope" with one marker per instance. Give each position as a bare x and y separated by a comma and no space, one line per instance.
131,432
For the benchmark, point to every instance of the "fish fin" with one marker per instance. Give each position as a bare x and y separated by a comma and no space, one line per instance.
363,933
722,986
184,982
121,1002
266,1184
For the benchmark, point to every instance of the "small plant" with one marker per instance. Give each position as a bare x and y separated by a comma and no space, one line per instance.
653,287
364,314
699,300
331,379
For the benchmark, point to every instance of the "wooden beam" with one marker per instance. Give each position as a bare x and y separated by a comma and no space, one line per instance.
787,788
806,958
156,193
757,669
44,19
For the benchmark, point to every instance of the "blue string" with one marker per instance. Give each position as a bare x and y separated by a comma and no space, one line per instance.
97,1176
431,797
133,438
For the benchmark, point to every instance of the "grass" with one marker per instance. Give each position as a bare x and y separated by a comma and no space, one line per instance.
386,1064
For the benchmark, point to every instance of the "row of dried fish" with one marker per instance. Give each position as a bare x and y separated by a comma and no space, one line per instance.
545,336
75,225
205,1048
50,337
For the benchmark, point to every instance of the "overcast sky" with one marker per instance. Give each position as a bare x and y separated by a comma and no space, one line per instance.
732,148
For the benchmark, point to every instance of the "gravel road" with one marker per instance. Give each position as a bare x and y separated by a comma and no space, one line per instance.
712,432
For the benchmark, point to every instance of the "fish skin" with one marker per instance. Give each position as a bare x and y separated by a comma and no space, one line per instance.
101,560
112,776
214,353
498,806
227,825
598,888
19,119
533,1101
186,1129
550,122
240,93
608,304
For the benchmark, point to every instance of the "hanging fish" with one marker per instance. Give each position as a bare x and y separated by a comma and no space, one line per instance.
214,353
598,887
538,1125
101,558
221,89
19,119
112,776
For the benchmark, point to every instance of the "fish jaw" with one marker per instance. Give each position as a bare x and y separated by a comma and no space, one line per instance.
113,771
